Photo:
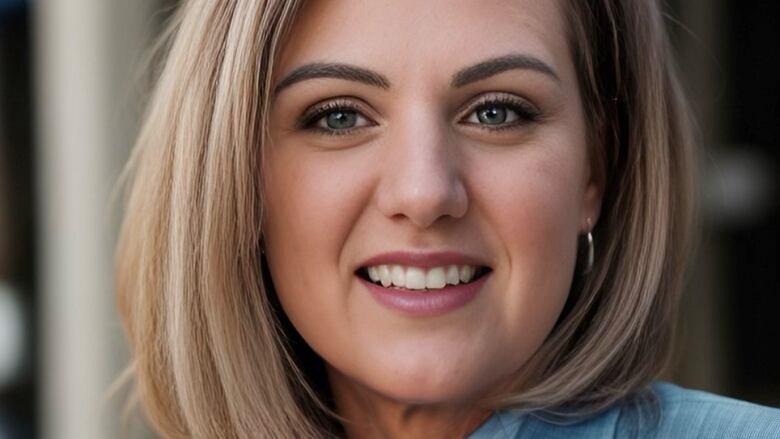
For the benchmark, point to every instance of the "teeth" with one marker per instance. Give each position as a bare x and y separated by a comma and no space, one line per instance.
384,275
466,273
435,278
414,278
399,276
373,274
453,276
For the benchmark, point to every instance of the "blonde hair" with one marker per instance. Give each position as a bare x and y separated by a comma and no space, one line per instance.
212,355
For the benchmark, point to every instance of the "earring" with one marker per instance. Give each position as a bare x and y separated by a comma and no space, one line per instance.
590,253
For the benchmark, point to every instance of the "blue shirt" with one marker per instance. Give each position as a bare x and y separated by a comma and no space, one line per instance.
683,413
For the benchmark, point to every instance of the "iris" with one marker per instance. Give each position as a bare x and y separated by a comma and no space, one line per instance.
339,120
492,115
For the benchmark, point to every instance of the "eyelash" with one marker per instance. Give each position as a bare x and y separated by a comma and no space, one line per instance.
526,114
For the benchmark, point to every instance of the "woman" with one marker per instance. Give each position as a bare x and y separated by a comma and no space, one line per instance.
413,219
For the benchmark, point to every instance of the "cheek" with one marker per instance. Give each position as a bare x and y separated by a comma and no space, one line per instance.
312,201
532,201
540,211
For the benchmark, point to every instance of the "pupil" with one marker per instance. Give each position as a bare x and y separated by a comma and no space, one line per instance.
342,119
492,115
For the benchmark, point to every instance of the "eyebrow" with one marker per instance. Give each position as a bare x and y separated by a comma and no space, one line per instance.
494,66
465,76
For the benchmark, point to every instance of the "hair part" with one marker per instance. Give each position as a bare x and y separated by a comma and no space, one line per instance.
212,356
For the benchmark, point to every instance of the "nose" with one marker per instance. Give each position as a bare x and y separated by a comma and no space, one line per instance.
421,178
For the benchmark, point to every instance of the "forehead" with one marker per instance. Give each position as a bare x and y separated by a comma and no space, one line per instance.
412,39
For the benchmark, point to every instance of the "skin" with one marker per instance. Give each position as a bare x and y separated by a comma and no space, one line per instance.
421,172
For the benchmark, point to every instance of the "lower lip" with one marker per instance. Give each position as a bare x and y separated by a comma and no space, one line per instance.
426,303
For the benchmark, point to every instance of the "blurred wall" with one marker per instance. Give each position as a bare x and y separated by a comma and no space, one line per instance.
86,54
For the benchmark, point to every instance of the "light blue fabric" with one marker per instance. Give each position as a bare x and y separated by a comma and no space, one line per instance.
682,413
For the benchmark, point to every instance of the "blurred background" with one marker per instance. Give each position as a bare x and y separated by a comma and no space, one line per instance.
71,88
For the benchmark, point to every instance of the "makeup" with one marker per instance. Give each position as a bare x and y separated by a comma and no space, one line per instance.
412,297
427,302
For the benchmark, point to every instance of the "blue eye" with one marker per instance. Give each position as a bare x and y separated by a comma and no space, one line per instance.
499,115
493,113
335,117
339,120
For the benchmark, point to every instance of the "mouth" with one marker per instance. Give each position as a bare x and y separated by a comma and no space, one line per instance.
422,280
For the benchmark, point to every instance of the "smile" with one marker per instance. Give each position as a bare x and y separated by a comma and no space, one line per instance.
424,284
422,279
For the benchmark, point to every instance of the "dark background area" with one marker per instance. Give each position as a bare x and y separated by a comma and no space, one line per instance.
752,105
17,209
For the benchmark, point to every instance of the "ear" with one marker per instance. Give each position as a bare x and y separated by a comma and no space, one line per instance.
592,198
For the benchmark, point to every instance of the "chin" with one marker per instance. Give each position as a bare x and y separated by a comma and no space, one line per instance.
431,388
415,395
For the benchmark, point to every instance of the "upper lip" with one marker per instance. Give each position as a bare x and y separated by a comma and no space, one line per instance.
423,259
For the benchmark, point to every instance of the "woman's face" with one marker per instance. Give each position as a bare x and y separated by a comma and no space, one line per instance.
410,137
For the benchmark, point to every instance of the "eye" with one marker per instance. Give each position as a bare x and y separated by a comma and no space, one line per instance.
335,117
494,115
501,112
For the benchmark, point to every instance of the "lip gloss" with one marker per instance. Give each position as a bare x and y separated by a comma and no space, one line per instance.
426,303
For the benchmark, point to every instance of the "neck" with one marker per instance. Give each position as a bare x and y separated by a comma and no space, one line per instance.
368,414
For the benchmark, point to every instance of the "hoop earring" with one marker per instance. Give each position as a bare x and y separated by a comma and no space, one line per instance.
589,252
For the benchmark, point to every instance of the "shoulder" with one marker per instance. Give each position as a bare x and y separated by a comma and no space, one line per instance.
686,412
663,411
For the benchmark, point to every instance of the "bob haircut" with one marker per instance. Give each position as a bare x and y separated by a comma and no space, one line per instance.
213,354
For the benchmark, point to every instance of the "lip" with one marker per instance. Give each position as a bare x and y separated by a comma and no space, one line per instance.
426,303
423,260
430,302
